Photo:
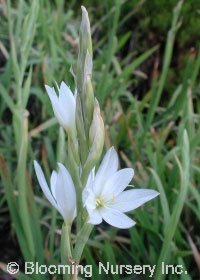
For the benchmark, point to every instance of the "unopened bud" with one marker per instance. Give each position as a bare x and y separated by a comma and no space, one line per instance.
83,80
84,47
85,33
96,135
96,140
81,131
88,95
88,65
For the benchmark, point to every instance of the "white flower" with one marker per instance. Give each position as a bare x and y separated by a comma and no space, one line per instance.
63,105
104,196
62,194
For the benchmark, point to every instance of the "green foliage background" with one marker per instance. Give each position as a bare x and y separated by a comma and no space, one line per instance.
146,77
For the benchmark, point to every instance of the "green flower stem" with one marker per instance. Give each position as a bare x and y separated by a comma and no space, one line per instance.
81,240
73,142
52,231
22,125
73,165
74,170
66,253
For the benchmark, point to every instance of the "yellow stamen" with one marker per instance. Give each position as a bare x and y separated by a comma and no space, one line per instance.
113,198
98,202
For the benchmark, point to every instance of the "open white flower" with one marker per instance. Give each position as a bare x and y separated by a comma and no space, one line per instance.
62,194
104,196
64,105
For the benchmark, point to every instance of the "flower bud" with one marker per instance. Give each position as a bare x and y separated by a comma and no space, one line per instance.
84,72
96,140
64,106
85,46
87,94
85,33
81,131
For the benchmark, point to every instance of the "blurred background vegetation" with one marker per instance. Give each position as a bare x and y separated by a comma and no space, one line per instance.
146,78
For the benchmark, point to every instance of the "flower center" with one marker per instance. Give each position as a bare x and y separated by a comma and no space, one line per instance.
99,201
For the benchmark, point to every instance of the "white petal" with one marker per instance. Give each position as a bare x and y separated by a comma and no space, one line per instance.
66,96
58,111
67,102
116,218
131,199
85,195
51,93
88,186
65,194
43,184
94,217
53,182
108,166
117,183
90,200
